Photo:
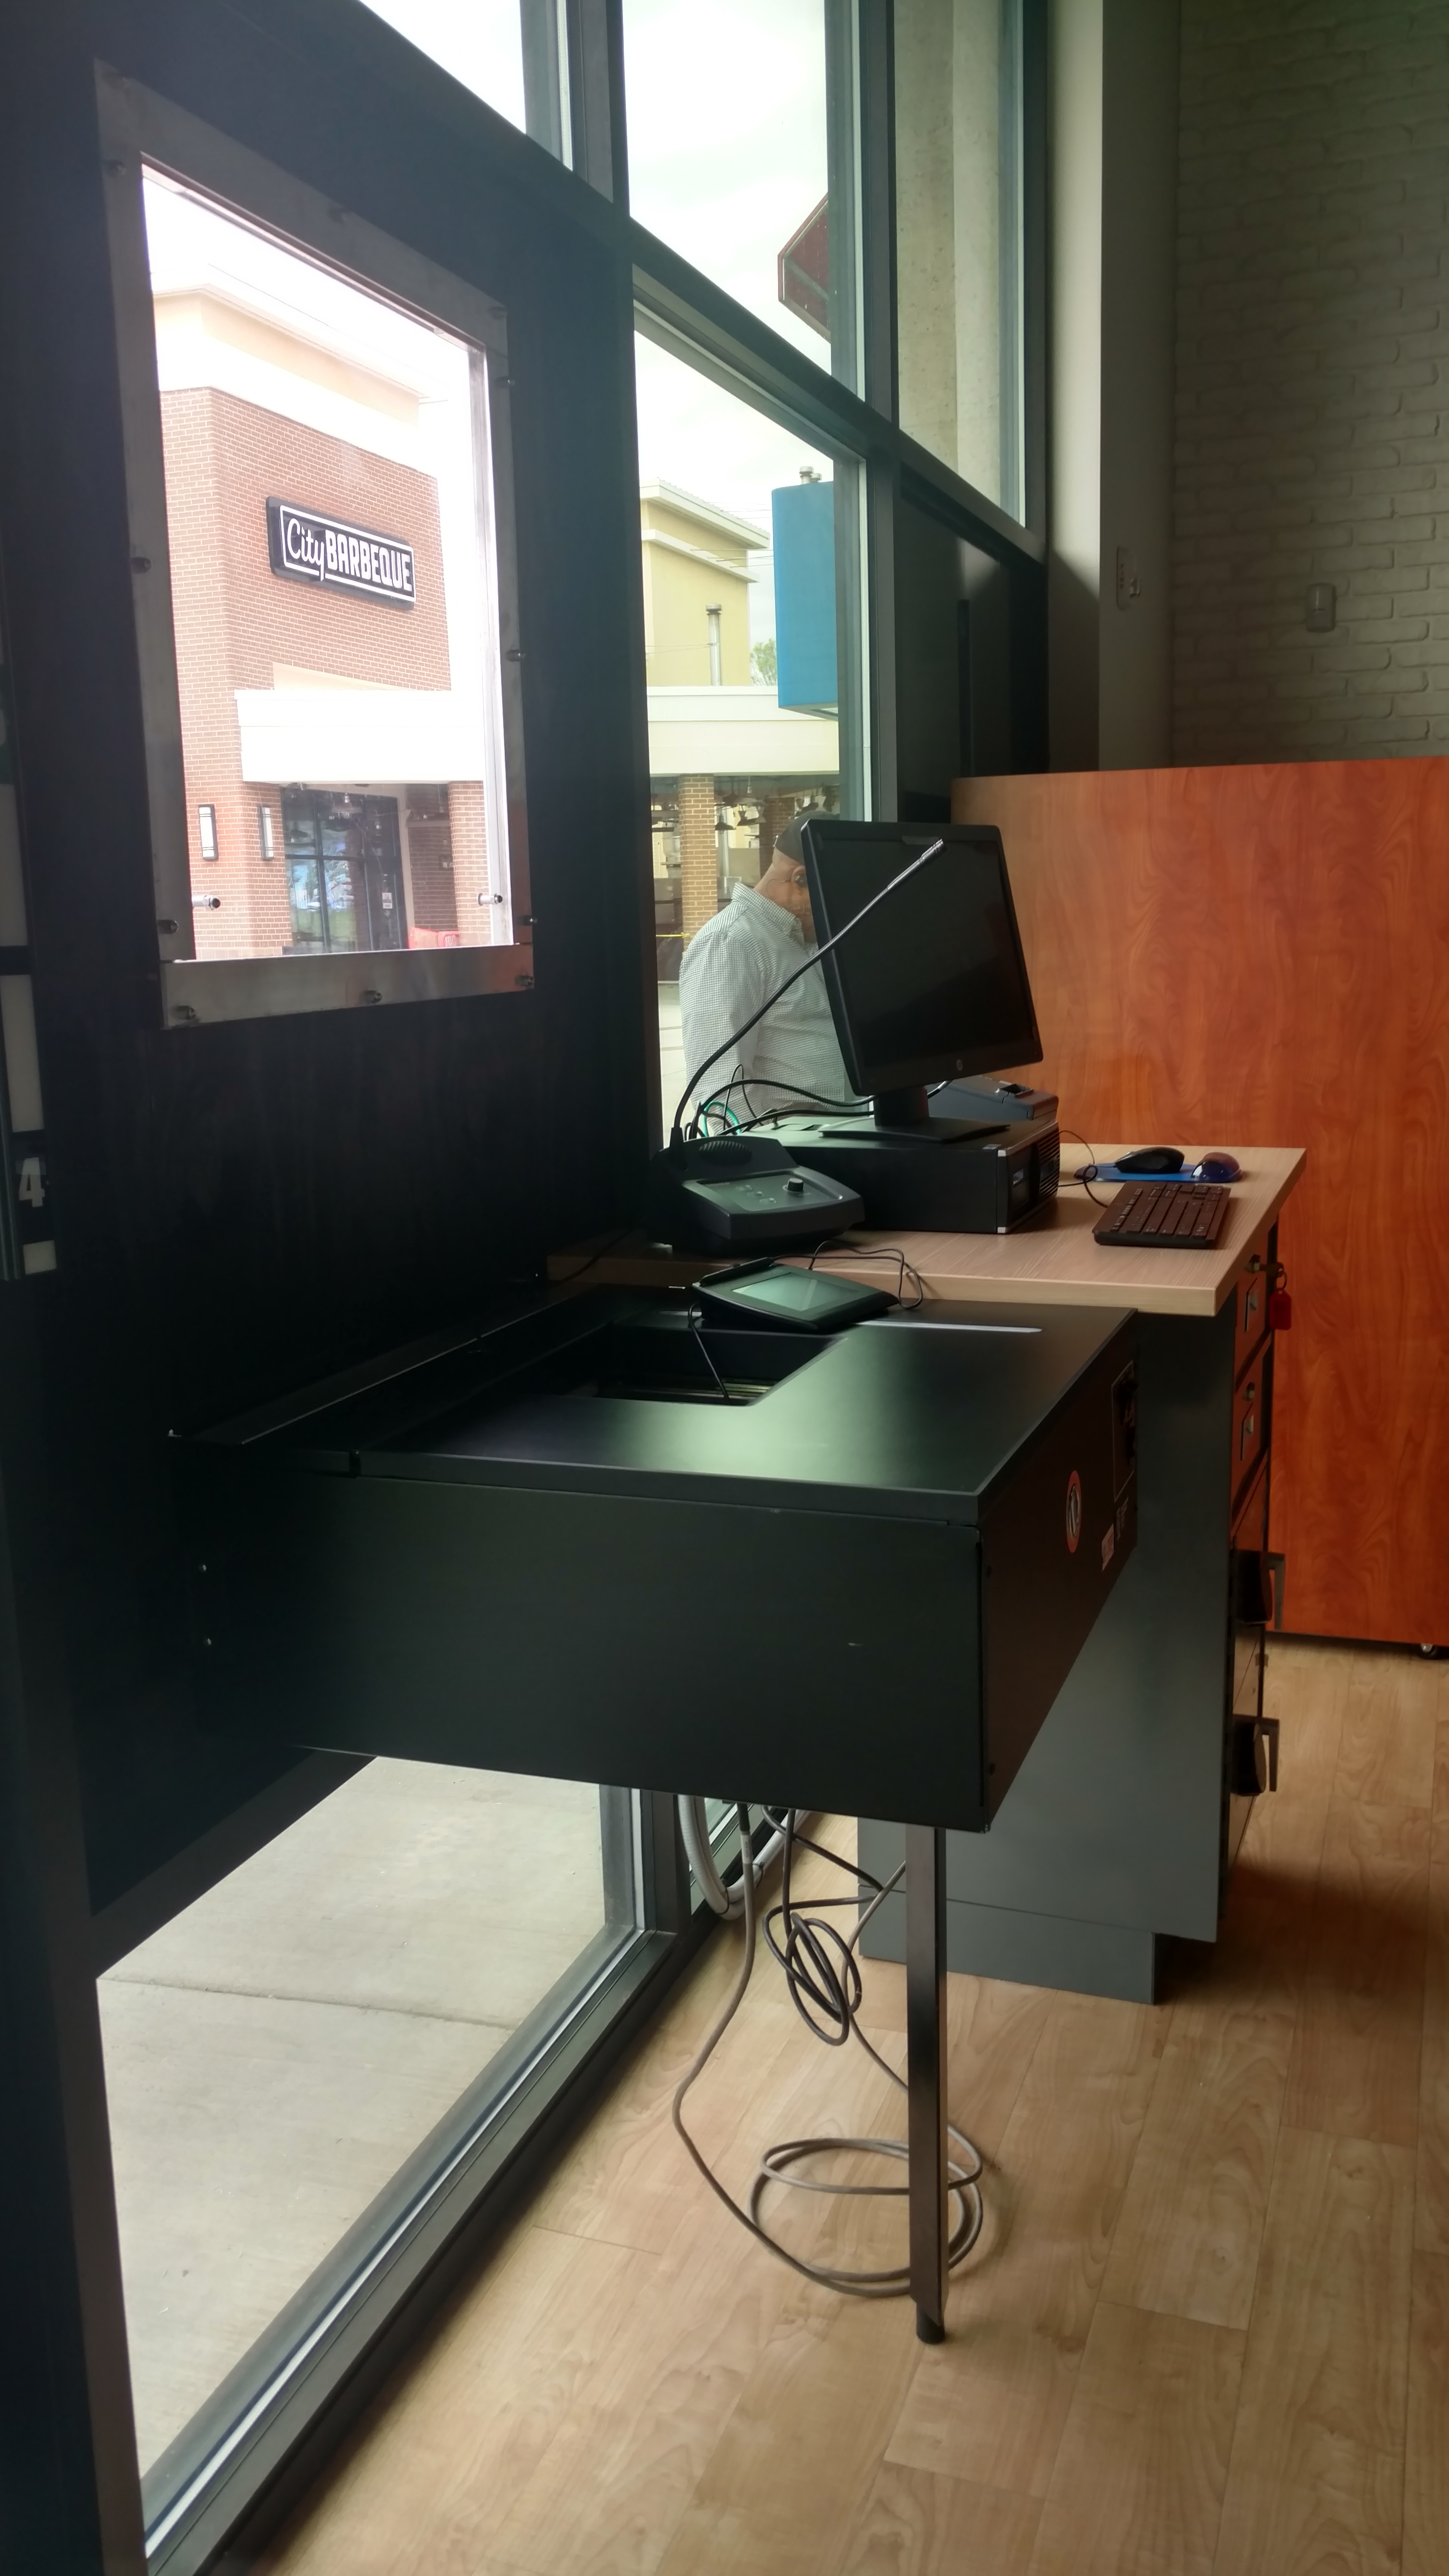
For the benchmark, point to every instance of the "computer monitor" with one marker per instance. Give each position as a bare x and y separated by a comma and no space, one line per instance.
934,984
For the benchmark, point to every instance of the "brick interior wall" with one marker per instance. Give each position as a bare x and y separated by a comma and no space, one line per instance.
1312,379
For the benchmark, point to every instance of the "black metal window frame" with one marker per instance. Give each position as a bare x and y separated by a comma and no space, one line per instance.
441,2213
142,133
441,2217
262,2430
686,313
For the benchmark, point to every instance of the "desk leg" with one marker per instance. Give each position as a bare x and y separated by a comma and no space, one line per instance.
926,2073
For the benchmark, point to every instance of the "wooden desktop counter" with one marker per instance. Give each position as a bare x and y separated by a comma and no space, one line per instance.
1124,1819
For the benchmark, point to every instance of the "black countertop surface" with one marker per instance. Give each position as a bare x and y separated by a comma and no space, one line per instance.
919,1414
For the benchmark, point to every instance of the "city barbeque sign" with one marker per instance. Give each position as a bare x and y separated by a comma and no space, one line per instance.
306,545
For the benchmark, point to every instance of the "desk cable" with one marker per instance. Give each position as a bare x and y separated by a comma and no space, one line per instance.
823,1975
1088,1174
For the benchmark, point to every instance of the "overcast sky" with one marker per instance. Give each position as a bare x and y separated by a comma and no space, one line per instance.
727,158
726,113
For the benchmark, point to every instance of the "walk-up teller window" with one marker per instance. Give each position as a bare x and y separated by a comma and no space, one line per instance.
322,556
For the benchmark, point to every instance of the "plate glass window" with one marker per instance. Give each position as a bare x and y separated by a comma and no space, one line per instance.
959,252
294,2060
751,543
512,53
329,522
742,156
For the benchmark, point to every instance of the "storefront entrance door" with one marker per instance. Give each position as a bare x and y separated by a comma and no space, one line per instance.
344,870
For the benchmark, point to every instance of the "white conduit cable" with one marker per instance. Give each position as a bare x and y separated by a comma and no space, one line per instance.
835,1992
726,1901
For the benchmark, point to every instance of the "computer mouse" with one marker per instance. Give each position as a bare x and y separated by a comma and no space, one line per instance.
1151,1158
1218,1167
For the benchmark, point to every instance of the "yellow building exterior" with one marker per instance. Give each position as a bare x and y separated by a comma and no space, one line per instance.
696,590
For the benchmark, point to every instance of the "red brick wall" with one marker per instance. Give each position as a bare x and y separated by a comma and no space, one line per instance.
235,618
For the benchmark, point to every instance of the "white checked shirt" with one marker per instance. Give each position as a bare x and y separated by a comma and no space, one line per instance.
729,968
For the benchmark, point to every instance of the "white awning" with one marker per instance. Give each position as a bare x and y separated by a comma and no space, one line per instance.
340,737
737,733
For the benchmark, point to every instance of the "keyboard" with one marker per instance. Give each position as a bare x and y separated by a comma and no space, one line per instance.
1182,1216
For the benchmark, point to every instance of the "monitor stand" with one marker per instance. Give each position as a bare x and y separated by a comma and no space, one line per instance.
904,1118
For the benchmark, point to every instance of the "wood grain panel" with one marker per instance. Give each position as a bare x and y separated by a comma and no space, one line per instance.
1262,954
1391,1719
1316,2477
917,2523
1187,2239
1431,2200
990,2403
612,2487
682,2405
1426,2464
766,2507
1138,2484
1356,2050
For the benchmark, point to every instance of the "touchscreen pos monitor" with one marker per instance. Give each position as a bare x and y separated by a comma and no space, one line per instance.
934,984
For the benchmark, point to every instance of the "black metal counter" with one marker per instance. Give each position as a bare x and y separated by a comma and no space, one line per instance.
557,1550
848,1573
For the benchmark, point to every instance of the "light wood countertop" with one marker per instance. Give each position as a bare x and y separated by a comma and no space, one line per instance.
1052,1261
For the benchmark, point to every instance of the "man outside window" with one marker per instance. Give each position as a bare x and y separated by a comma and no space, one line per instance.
732,965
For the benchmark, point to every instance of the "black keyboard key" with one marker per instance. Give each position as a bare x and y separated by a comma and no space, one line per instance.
1183,1215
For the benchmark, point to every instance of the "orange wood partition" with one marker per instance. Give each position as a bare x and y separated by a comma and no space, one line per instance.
1261,956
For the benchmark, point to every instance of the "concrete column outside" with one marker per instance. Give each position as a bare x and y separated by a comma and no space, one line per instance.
698,854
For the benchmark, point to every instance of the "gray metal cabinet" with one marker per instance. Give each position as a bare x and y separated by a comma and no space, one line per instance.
1125,1816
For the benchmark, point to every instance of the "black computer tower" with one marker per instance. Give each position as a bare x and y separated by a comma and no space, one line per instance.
967,1180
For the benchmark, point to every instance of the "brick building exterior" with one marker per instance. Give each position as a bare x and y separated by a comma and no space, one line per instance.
242,626
1313,362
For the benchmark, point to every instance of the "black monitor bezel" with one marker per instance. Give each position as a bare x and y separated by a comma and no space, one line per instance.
817,836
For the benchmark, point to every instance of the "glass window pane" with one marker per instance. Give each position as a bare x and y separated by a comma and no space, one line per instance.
281,2048
741,156
751,556
958,237
334,598
512,53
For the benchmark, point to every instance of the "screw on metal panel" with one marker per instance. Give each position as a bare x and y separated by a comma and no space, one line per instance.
369,996
182,1011
140,563
514,653
167,928
526,981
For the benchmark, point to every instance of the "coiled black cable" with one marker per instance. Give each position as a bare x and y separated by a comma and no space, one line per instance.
823,1976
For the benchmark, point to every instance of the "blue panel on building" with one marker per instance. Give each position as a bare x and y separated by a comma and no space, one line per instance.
803,520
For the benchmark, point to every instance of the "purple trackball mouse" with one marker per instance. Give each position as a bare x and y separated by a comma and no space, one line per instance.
1218,1167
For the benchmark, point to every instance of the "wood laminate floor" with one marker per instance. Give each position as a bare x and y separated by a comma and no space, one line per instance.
1206,2331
